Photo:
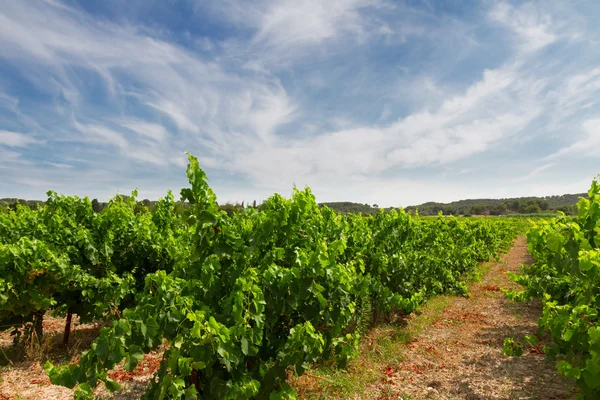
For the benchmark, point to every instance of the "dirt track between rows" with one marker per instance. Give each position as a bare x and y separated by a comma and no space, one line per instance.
459,355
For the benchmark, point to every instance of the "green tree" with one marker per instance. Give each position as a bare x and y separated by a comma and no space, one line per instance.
143,206
96,206
533,209
499,209
478,209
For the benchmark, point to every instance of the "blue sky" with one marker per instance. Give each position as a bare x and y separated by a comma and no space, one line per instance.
374,101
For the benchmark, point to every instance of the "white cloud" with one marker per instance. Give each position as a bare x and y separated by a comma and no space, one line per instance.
295,23
587,145
209,106
152,156
59,165
8,102
576,94
532,26
289,24
495,108
152,131
535,172
456,142
205,44
177,113
99,134
341,95
284,32
14,139
9,158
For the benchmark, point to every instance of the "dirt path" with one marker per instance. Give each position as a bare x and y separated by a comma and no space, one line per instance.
450,349
459,355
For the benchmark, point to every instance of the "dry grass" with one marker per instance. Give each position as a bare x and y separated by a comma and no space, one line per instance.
22,375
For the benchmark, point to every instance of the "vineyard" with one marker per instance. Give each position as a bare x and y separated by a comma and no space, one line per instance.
240,302
566,277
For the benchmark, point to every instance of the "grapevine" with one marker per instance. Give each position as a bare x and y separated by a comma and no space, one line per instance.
238,301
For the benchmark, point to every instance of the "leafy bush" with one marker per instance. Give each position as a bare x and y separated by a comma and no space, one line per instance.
566,277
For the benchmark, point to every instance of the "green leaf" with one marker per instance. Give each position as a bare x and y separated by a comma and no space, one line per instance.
84,392
198,365
111,385
568,334
555,242
245,346
594,334
101,348
184,366
585,265
134,356
207,217
196,331
322,300
565,368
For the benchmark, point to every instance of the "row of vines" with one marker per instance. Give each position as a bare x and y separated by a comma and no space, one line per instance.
237,302
566,277
66,258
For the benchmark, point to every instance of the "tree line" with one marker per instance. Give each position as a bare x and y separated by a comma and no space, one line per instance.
521,205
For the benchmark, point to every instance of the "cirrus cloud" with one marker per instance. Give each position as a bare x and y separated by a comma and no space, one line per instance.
356,98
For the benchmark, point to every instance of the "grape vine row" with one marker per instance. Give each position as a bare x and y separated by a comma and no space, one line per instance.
238,302
566,277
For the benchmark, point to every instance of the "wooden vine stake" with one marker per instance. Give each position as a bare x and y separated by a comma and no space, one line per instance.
67,328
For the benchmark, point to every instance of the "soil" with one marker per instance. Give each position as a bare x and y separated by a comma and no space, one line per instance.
23,377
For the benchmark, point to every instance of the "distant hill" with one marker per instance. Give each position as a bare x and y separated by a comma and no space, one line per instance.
518,205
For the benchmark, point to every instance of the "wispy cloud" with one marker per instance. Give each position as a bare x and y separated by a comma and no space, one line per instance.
59,165
283,25
531,25
586,145
155,132
535,172
14,139
357,98
497,107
